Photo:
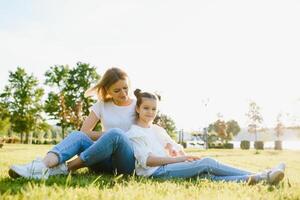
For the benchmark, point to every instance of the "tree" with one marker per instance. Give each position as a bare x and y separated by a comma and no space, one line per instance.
55,105
166,122
67,103
224,130
255,118
79,80
4,119
279,126
23,98
233,127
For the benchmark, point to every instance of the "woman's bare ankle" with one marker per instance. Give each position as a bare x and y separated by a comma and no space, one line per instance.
51,160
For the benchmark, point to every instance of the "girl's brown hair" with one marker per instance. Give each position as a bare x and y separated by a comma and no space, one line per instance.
110,77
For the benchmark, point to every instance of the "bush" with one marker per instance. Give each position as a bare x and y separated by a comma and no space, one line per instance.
228,146
259,145
38,141
47,142
54,142
215,145
13,139
278,145
183,144
245,144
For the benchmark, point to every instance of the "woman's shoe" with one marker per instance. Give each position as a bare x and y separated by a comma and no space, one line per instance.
33,170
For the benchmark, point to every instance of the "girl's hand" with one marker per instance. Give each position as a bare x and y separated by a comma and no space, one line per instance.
192,158
172,152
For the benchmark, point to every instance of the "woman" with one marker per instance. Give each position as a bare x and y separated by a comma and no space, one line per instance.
112,150
152,147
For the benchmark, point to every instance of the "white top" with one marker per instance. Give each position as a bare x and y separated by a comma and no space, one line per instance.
147,141
113,116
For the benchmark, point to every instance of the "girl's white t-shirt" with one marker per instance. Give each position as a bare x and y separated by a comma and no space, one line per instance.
147,141
113,116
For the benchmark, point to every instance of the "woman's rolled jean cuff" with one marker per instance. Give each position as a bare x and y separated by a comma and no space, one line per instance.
83,159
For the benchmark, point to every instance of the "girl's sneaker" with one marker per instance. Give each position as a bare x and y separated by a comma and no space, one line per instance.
272,176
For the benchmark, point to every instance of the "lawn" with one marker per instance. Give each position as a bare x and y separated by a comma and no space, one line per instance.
84,185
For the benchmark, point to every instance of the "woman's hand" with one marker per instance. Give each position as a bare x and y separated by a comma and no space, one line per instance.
189,158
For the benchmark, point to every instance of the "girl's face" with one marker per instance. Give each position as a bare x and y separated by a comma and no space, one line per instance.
119,91
147,110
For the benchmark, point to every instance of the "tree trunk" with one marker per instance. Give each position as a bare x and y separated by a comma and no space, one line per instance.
27,138
9,133
255,135
29,141
22,138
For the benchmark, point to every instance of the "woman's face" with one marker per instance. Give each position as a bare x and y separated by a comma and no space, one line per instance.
119,91
147,110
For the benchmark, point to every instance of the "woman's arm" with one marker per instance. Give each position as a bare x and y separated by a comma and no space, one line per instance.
153,161
89,124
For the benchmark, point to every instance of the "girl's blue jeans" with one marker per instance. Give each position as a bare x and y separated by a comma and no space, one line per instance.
206,167
111,153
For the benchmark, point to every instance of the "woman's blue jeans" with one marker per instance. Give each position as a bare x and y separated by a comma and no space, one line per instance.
111,153
206,166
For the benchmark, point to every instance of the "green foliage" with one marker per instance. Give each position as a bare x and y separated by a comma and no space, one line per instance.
245,144
23,99
4,126
79,80
67,103
167,123
4,119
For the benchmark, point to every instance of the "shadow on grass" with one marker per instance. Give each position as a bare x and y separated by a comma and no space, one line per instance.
14,186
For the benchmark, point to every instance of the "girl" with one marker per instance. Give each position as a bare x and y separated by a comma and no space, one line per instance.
150,142
112,150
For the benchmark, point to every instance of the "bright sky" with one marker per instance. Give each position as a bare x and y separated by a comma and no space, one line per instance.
228,51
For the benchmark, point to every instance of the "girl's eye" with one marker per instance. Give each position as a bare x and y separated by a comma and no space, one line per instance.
116,91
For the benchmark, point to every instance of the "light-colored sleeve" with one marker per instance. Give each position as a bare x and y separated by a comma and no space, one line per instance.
97,109
165,138
141,151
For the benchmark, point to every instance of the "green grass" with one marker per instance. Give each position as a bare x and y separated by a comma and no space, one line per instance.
84,185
